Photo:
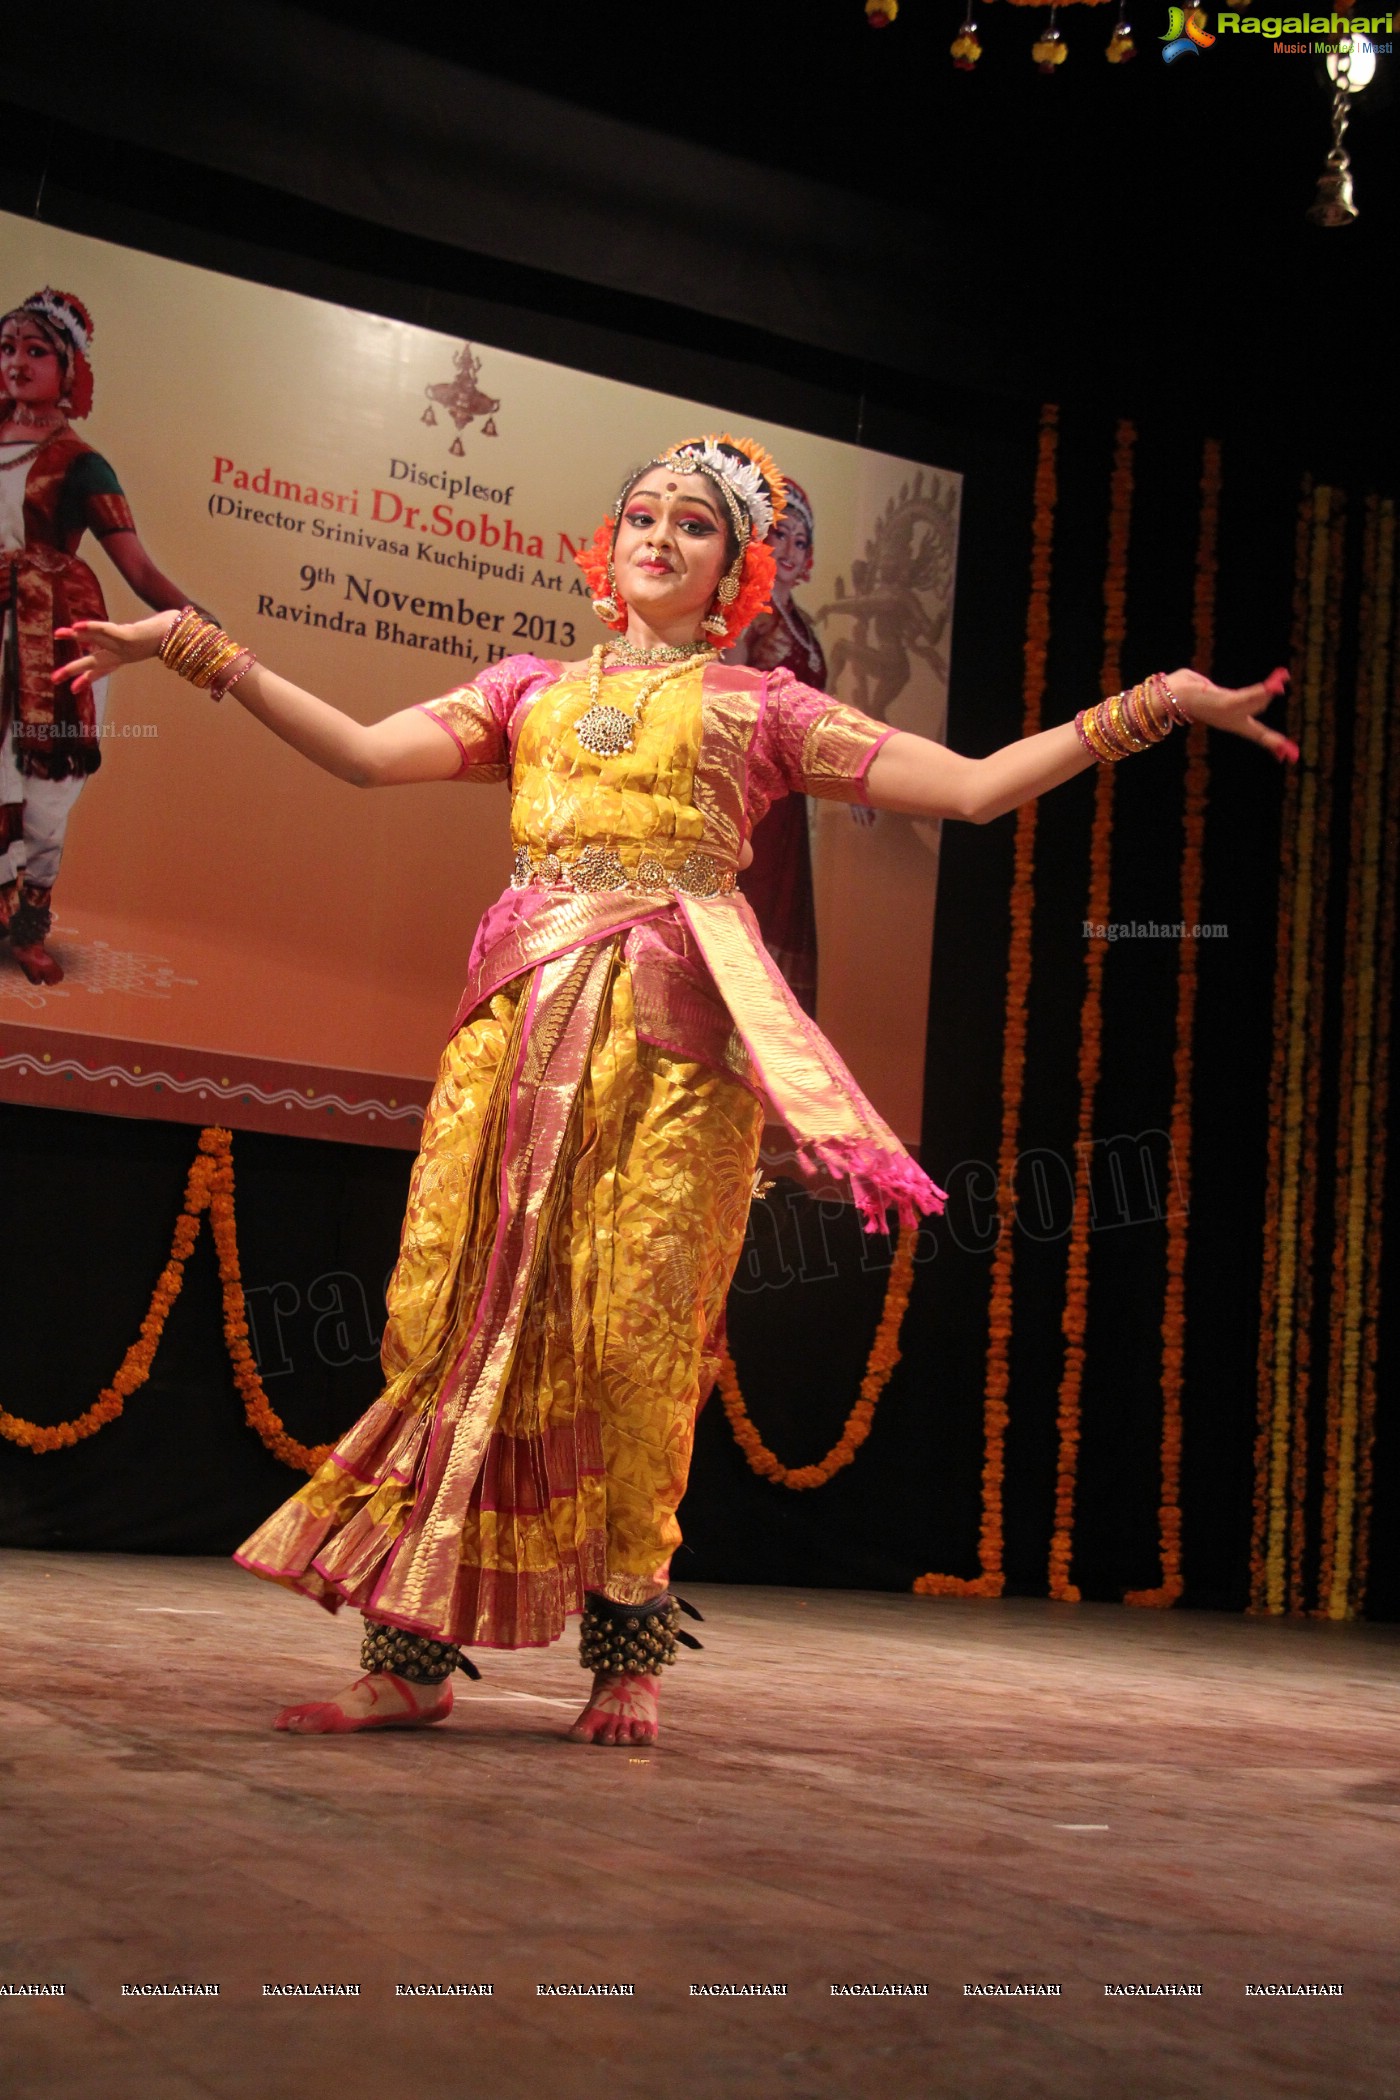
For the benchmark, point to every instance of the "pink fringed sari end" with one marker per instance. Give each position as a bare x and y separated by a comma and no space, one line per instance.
841,1142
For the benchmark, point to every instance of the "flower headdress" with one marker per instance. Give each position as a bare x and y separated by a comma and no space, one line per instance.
755,496
800,504
799,508
67,323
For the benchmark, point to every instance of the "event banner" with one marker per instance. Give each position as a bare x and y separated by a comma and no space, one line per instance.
379,511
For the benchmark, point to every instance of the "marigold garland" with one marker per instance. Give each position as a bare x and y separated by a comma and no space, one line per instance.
1349,1168
208,1187
1193,831
1309,1180
990,1581
1074,1318
1270,1334
1342,1494
884,1355
1281,1469
1385,688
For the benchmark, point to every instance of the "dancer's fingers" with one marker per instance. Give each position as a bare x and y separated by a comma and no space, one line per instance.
74,669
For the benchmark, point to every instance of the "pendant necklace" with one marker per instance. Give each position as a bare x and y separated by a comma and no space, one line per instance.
609,731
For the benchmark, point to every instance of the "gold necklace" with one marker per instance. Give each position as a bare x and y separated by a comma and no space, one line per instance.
624,652
609,731
22,459
25,416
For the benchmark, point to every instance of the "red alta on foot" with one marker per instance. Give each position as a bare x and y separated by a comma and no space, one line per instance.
325,1717
37,964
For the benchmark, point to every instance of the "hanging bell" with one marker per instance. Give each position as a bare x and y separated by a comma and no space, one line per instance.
457,449
1334,204
428,417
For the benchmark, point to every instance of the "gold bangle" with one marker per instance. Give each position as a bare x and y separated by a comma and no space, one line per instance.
1119,724
201,653
225,680
216,651
179,626
1135,713
1109,730
1093,730
204,655
189,647
1153,727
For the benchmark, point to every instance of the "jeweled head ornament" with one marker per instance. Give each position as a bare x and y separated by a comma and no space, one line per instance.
741,467
67,323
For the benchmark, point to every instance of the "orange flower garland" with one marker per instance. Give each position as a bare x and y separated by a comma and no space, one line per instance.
1167,1592
1280,1479
1075,1317
256,1406
1320,854
990,1581
1270,1331
1384,689
209,1186
1349,1175
884,1355
1343,1492
136,1364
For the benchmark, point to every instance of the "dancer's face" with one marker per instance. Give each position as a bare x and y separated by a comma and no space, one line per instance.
673,547
792,552
30,368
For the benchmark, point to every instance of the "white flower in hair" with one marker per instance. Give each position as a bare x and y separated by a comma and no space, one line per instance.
745,480
65,313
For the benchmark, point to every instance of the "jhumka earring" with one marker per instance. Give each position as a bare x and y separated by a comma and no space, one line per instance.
608,608
716,623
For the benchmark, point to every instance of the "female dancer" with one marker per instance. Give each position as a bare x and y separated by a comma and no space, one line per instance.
588,1155
53,488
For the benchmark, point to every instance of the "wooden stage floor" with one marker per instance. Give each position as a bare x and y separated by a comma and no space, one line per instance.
853,1790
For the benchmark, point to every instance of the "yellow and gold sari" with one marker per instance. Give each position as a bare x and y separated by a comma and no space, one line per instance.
580,1196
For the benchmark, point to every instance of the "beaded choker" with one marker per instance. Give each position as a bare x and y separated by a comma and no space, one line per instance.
624,652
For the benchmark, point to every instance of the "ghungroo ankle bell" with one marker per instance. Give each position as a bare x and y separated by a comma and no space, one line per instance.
415,1657
632,1640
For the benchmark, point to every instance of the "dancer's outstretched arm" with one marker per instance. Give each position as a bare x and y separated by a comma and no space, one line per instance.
403,748
918,778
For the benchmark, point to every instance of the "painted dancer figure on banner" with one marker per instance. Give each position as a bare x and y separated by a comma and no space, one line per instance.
588,1156
53,489
778,880
900,600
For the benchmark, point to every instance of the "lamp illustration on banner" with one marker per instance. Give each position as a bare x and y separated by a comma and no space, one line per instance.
462,397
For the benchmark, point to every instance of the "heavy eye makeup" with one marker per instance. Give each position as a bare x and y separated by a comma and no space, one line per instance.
699,527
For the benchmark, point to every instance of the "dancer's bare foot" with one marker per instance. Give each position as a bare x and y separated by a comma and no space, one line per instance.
377,1700
620,1709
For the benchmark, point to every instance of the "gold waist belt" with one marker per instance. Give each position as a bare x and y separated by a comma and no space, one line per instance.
601,868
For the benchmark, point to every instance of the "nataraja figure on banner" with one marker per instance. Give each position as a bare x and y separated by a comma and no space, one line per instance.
53,489
588,1156
778,880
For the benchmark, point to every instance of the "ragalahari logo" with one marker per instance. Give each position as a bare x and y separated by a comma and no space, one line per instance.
1186,31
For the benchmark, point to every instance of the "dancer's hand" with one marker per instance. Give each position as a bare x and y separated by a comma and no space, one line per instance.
111,645
1236,708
